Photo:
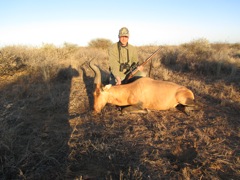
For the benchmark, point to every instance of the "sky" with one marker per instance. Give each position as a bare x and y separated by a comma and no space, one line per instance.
150,22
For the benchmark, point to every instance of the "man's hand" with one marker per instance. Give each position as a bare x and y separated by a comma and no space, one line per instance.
119,81
140,68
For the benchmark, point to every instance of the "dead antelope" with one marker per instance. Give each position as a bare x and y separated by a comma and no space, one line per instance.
143,94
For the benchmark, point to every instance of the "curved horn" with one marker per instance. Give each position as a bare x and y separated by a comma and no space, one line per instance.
97,79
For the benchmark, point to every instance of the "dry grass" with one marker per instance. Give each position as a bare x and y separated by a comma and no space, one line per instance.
47,130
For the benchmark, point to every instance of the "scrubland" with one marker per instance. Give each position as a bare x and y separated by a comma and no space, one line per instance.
48,131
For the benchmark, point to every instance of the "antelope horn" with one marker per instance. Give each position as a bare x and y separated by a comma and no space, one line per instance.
96,70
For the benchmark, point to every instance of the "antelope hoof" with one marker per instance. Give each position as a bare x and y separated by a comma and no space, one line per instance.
188,110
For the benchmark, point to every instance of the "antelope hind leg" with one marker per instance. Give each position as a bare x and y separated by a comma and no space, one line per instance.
191,106
187,105
134,109
188,109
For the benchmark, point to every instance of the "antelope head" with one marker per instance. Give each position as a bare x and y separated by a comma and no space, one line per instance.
100,93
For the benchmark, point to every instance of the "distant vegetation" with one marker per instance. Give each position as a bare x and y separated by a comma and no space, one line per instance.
202,57
199,56
100,43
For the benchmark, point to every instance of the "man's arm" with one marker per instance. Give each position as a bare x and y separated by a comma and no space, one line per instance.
113,57
113,62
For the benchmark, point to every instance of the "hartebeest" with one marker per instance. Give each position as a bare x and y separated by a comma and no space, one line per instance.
143,94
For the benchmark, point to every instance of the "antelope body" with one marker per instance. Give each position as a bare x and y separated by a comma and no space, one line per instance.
144,93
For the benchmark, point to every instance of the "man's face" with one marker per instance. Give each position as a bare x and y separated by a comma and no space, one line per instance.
123,40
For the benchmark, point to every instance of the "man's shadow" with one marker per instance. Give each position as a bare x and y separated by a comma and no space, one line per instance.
89,84
56,127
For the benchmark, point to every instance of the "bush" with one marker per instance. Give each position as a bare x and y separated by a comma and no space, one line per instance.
12,59
100,43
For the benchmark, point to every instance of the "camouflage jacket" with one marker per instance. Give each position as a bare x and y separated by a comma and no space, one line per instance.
118,54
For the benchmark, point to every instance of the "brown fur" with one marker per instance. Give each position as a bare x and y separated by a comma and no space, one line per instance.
151,94
145,93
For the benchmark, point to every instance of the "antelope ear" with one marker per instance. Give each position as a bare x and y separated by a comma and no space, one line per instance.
107,87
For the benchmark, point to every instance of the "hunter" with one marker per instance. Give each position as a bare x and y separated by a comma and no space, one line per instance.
122,56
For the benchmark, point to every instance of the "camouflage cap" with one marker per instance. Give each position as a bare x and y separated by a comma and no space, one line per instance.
123,32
